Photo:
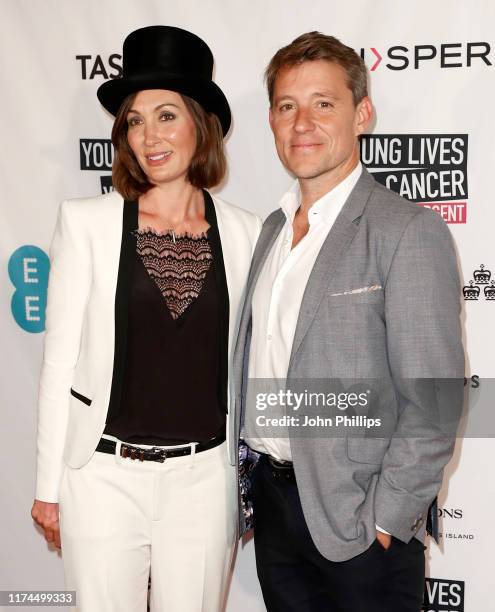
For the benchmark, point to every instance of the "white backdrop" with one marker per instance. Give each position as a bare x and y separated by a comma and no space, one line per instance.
54,55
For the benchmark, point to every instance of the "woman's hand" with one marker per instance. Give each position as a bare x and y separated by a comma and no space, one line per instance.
46,515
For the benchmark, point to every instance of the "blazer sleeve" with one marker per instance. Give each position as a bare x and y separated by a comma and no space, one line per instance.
426,359
68,291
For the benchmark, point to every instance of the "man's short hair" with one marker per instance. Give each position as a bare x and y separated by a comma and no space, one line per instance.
317,46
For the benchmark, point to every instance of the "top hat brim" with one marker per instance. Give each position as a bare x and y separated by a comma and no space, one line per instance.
207,93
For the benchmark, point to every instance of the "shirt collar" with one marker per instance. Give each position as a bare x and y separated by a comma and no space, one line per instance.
326,206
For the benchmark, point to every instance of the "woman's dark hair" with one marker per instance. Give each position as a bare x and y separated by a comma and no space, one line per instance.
208,165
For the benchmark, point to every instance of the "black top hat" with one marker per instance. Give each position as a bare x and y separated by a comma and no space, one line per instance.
164,57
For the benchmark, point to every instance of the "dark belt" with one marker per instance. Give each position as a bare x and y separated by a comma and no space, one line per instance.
280,470
155,453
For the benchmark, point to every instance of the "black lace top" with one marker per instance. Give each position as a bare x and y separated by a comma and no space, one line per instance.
175,375
177,264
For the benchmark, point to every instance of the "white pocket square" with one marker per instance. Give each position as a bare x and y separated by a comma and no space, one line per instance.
360,290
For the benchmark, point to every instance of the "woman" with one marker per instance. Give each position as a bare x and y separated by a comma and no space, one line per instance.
143,304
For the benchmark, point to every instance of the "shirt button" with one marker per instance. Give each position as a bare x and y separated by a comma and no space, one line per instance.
269,337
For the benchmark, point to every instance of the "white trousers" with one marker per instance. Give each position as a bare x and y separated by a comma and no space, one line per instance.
121,519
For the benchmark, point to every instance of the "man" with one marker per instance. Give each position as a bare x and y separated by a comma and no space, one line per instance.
348,283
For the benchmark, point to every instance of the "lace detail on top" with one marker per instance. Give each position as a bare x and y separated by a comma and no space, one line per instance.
177,263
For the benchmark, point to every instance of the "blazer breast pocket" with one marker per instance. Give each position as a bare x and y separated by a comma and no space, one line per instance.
80,397
366,295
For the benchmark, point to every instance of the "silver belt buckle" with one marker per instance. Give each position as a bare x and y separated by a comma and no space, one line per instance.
133,452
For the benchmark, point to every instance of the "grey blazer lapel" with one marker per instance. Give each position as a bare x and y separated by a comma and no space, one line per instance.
271,229
336,243
269,233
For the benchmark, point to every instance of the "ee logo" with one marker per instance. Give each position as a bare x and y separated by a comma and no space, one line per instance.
28,271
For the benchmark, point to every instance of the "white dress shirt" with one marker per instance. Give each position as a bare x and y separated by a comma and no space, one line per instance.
279,291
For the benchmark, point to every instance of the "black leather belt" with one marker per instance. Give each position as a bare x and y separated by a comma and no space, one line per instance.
155,453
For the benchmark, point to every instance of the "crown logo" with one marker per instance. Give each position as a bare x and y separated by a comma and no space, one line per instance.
490,291
482,276
471,292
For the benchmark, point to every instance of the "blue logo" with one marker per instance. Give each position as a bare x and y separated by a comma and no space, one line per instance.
28,271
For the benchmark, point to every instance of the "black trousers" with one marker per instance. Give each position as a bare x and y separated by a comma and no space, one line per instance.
294,576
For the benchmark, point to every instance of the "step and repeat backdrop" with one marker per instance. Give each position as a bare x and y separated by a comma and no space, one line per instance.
432,75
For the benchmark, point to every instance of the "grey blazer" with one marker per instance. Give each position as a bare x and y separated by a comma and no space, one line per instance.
404,334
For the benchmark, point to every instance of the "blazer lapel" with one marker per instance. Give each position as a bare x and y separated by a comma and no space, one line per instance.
223,291
269,233
226,240
124,278
336,243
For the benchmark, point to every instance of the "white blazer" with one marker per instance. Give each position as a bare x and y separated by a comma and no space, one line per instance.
80,325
